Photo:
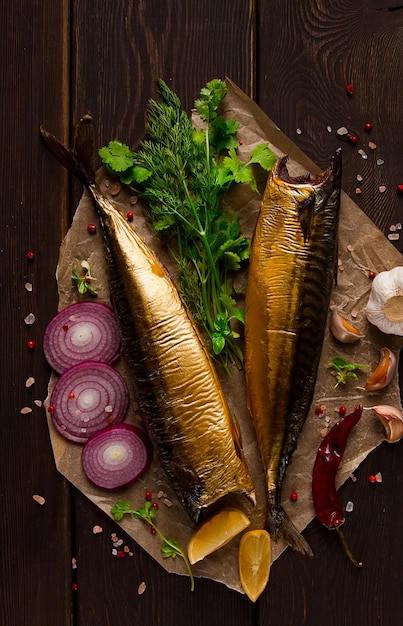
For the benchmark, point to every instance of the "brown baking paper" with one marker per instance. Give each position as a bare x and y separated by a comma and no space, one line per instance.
362,247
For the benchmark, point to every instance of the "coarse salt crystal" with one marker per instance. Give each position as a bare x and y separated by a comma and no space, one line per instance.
349,506
108,409
141,588
167,502
38,402
382,188
398,226
359,178
329,129
372,145
97,530
28,286
25,410
380,161
298,131
30,381
358,190
378,477
342,130
30,319
39,499
392,227
393,236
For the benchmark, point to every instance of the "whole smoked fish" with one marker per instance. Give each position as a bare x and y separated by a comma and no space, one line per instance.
292,267
180,396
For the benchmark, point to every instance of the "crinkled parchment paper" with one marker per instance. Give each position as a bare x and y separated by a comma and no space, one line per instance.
361,248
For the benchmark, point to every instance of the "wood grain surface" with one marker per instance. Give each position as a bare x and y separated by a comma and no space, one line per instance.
61,59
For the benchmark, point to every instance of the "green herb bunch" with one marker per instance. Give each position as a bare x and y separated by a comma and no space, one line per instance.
182,174
147,513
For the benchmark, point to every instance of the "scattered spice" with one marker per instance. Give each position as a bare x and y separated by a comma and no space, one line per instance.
141,588
294,496
400,189
350,89
368,126
92,229
372,478
39,499
349,507
30,344
115,189
129,216
30,255
97,530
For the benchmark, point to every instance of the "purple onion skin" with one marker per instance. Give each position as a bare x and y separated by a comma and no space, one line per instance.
110,477
61,355
64,407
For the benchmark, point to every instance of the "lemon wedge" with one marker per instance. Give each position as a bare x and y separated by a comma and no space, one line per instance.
216,532
254,562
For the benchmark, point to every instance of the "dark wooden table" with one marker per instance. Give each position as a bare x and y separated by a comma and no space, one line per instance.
60,59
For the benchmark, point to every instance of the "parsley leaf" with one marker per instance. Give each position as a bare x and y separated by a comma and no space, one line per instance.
147,514
117,156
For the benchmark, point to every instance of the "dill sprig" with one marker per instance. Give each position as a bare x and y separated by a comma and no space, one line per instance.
182,174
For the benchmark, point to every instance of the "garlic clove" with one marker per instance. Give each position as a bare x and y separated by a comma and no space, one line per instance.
392,421
384,372
385,303
341,329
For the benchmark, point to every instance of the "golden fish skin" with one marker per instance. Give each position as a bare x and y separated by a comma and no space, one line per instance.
291,271
180,396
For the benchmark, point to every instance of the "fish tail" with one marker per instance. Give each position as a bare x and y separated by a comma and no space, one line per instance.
280,526
80,160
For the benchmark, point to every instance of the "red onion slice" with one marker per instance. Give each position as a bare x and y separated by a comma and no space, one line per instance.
86,398
84,331
116,456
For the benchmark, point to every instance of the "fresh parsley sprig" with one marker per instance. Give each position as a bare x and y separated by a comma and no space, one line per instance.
83,281
344,371
182,173
147,513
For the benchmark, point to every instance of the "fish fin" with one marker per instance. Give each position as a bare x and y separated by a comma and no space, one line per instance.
191,487
84,145
237,437
306,210
279,526
80,160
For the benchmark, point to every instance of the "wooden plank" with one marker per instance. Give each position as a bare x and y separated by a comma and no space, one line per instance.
302,86
35,583
307,53
115,67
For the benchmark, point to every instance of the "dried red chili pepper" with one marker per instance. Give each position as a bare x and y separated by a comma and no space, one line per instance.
327,505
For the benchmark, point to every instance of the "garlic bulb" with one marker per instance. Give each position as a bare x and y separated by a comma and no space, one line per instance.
385,303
